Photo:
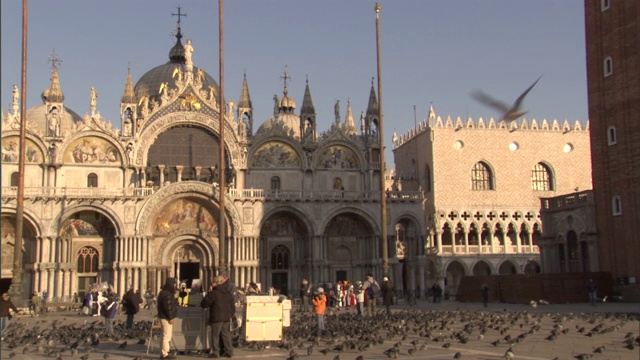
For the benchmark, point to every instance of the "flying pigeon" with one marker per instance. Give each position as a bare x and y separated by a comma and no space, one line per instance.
509,113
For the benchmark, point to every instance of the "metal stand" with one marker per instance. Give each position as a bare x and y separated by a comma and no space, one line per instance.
155,325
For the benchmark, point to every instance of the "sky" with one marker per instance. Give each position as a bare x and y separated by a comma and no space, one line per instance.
432,53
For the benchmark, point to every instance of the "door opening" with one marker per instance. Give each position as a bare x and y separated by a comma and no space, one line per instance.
187,272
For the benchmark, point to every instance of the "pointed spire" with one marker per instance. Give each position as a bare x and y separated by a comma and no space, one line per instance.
432,112
307,103
373,107
349,124
245,99
54,92
128,96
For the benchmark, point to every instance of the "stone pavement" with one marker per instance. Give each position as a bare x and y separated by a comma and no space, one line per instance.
566,319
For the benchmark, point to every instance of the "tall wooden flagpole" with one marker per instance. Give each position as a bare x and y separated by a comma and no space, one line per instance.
16,283
222,228
383,197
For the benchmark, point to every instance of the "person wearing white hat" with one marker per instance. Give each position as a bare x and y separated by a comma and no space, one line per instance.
387,294
319,307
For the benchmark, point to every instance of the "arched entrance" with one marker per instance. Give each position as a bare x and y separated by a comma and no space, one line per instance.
192,261
282,235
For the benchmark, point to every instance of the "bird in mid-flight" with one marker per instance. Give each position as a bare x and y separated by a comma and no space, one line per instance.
509,113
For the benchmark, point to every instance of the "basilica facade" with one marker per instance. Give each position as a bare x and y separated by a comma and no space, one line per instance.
136,204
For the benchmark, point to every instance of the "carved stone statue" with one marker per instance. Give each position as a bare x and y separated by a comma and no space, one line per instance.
94,100
188,52
54,123
336,109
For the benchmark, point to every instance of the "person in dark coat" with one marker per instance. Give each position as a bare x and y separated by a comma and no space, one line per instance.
167,311
387,294
222,308
5,306
485,294
131,305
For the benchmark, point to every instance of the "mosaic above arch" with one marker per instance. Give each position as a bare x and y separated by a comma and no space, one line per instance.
87,223
283,224
92,150
276,154
338,157
348,225
183,214
10,149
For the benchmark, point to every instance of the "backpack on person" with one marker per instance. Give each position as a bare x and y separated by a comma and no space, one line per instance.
373,290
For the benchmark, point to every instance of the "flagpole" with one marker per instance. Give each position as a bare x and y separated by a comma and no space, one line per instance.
16,283
222,237
383,198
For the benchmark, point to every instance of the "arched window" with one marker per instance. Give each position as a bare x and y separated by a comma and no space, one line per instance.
275,183
92,180
481,177
612,135
88,260
541,179
14,179
608,66
616,205
280,258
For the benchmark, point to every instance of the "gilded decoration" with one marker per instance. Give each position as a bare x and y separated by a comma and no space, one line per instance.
184,215
87,223
276,155
10,150
338,157
283,225
92,150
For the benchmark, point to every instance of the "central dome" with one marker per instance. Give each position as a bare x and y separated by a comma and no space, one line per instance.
149,83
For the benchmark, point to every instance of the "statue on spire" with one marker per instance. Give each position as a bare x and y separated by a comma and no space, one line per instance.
336,109
94,101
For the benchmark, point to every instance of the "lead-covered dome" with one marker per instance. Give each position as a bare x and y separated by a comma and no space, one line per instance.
149,84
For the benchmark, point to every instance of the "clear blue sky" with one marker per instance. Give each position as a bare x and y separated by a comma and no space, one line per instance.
432,52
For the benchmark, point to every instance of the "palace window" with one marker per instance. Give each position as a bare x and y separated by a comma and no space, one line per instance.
280,258
14,179
275,183
92,180
541,179
612,135
88,260
481,177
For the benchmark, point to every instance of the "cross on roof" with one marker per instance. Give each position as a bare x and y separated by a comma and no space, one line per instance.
286,77
179,15
54,59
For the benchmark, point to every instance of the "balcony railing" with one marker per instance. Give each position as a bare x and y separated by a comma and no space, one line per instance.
87,192
285,195
487,249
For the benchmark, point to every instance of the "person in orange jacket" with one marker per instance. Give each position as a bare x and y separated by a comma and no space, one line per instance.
319,307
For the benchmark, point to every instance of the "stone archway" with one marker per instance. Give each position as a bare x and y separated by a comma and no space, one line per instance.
507,268
481,268
455,272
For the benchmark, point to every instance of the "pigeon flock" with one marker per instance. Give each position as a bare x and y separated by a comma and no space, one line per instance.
418,334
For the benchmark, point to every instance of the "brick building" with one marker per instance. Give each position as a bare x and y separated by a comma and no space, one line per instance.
613,76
